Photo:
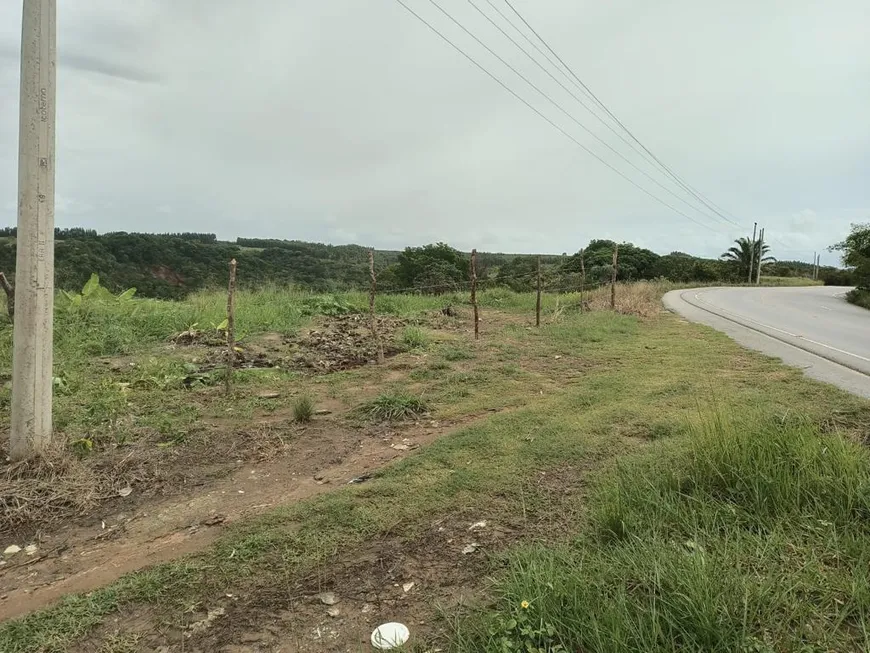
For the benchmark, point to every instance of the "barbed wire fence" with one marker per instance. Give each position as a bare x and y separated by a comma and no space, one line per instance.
474,285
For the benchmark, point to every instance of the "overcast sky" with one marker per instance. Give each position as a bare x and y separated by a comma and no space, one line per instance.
349,121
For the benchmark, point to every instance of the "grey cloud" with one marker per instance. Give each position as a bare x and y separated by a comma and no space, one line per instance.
90,63
345,121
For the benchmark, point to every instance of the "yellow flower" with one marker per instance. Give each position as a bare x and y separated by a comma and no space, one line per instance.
524,605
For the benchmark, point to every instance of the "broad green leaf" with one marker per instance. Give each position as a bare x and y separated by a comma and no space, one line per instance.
91,286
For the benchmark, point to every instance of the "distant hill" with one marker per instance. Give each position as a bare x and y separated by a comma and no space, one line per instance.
171,266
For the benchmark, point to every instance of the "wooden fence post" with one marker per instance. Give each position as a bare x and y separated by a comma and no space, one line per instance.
10,295
613,277
474,293
372,321
538,303
582,279
231,327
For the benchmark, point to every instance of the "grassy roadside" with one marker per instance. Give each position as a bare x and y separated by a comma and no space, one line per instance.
690,509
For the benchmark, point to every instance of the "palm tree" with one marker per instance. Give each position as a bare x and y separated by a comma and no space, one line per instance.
741,255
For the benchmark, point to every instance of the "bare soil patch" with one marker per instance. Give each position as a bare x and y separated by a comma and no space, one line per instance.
130,532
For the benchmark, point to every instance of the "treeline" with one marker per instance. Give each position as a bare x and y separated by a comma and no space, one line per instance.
170,266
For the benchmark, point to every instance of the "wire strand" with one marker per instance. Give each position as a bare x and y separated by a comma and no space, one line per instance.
709,203
548,120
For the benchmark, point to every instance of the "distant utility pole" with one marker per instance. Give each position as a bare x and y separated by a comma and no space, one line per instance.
752,253
30,428
760,256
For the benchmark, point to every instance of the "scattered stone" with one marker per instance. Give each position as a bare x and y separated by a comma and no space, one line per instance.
558,357
333,611
359,479
318,477
328,598
125,491
214,520
30,549
471,548
323,411
400,447
367,608
407,587
11,550
478,524
269,395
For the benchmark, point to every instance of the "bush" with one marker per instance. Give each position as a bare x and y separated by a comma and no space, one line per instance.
859,297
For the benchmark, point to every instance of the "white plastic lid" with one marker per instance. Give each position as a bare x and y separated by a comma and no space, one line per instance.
391,635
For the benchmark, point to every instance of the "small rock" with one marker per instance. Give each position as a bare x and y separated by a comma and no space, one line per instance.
368,607
30,549
269,395
318,477
400,447
322,411
407,587
11,550
333,611
558,357
241,491
125,491
328,598
214,520
471,548
478,524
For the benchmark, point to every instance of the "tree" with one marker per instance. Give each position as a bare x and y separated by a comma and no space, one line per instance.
740,257
856,254
437,268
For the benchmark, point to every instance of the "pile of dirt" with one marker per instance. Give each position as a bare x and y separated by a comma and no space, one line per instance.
344,342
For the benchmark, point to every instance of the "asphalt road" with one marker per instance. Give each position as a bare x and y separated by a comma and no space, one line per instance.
813,328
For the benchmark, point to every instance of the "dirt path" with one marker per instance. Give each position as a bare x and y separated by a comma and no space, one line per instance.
83,558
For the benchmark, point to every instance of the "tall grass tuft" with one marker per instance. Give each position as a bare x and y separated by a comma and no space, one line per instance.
303,409
393,407
751,535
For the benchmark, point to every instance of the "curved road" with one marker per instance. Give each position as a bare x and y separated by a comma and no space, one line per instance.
810,327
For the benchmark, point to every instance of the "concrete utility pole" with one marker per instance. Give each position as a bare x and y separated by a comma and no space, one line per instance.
34,270
752,253
760,256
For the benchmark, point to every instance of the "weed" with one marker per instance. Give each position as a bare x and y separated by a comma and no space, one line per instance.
414,338
303,409
393,407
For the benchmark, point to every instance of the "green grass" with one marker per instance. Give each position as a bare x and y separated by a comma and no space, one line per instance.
414,338
639,525
303,409
790,281
744,536
392,407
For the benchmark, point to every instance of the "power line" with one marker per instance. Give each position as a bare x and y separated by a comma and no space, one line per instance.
645,156
689,189
544,117
562,109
